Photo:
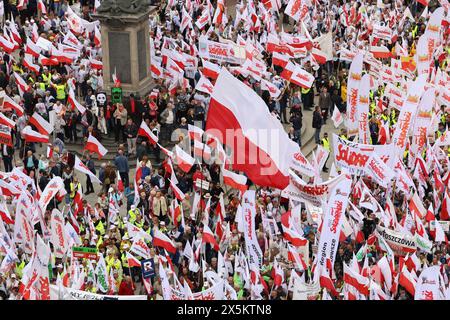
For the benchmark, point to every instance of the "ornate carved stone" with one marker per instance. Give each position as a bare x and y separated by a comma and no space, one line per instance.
120,7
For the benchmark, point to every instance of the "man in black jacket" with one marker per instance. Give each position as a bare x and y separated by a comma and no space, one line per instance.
91,166
130,132
7,155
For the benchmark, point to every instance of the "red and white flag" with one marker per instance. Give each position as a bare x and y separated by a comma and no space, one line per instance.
357,281
262,162
41,124
204,85
6,121
337,117
29,64
132,260
296,75
278,274
21,84
163,241
297,9
183,159
195,133
96,64
6,45
72,100
407,281
93,145
293,237
210,70
279,59
273,89
380,52
32,136
145,131
208,237
80,166
42,8
234,180
32,48
9,103
177,192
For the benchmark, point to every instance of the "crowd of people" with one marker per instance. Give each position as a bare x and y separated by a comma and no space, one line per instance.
162,219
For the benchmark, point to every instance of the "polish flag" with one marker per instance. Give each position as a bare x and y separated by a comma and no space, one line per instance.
293,237
279,59
325,280
80,166
132,260
119,183
226,112
208,237
63,57
295,257
319,56
32,136
444,214
274,45
380,52
72,100
156,69
202,150
210,70
204,85
356,280
29,64
93,145
15,33
195,133
41,124
183,159
234,180
32,48
6,45
42,8
425,3
8,190
177,192
9,103
145,131
48,61
384,135
4,214
296,75
6,121
297,9
407,281
21,84
49,153
278,274
97,37
96,64
161,240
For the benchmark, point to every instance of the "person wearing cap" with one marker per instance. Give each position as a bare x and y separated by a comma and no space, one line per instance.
162,227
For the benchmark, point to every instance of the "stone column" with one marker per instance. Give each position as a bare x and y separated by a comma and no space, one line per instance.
126,49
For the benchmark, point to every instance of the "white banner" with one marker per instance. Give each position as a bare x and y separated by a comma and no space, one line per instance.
353,156
378,170
400,243
363,110
302,165
58,237
430,285
50,191
305,291
354,79
314,194
254,253
332,222
64,293
222,52
408,113
422,125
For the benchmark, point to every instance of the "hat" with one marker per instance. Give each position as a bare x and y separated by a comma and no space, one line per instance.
111,190
106,237
133,207
125,237
59,265
112,227
13,276
162,223
126,246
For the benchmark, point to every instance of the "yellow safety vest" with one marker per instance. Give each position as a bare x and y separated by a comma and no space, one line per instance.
124,260
47,79
61,92
139,224
326,144
100,241
305,91
132,215
72,189
42,86
100,228
112,262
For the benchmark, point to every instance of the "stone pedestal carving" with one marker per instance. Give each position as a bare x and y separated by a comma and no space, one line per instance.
126,45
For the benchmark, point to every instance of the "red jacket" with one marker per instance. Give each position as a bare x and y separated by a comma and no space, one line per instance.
125,289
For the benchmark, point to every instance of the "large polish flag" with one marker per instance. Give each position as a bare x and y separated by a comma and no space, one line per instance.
261,146
184,160
41,124
6,121
32,136
93,145
9,103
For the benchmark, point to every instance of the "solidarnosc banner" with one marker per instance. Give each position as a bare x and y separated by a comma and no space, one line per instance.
64,293
400,243
222,52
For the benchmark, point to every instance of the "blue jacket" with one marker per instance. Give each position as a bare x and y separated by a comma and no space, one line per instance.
121,162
